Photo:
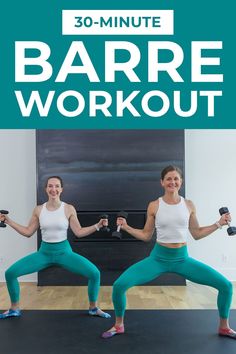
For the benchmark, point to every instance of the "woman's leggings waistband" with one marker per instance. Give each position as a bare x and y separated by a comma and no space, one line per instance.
169,254
54,246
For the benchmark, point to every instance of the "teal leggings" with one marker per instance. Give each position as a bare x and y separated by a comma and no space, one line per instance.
173,260
53,254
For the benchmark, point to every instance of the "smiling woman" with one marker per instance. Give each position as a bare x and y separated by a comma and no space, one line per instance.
173,217
53,217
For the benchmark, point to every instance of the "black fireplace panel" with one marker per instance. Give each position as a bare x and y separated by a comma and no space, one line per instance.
105,171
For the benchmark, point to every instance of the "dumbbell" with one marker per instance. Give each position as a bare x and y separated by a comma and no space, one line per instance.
2,223
231,229
104,228
117,233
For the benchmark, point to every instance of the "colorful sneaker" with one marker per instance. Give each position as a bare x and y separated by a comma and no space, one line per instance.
115,330
96,311
10,313
227,332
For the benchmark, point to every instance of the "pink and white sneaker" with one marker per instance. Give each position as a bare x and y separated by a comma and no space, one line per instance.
227,332
113,331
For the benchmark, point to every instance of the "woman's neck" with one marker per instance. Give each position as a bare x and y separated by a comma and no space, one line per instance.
171,198
53,204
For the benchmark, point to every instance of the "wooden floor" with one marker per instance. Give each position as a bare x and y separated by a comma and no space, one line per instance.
192,296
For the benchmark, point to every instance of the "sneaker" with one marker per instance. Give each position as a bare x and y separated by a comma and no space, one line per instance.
113,332
96,311
227,332
10,313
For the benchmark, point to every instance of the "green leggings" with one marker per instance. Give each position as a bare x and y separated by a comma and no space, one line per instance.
53,254
173,260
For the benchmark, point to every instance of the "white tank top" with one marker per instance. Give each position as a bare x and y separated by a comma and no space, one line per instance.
172,222
53,224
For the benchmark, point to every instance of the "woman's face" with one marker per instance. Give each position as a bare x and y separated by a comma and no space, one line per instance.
54,188
172,182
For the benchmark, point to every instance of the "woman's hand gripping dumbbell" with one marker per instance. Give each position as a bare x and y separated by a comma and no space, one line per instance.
102,225
121,215
3,218
231,229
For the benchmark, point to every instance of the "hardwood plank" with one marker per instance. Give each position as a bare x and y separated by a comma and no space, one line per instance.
192,296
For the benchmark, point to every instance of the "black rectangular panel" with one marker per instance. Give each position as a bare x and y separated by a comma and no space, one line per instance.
108,169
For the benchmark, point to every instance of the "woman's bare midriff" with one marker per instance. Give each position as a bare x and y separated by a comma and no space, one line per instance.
172,245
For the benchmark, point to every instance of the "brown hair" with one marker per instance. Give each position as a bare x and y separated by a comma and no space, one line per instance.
171,168
57,177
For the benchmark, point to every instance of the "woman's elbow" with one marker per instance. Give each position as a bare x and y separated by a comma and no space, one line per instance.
195,235
27,234
78,233
147,237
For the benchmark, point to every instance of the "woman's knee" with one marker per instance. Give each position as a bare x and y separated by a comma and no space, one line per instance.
120,286
95,274
228,287
10,274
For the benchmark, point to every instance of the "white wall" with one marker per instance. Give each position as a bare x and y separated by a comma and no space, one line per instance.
17,194
210,172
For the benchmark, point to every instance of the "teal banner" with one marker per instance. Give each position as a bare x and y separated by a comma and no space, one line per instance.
117,64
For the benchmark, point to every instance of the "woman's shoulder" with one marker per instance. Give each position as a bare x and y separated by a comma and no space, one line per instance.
69,208
189,204
37,209
153,206
154,203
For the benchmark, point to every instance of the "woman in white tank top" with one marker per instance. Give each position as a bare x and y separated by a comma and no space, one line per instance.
174,218
53,217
